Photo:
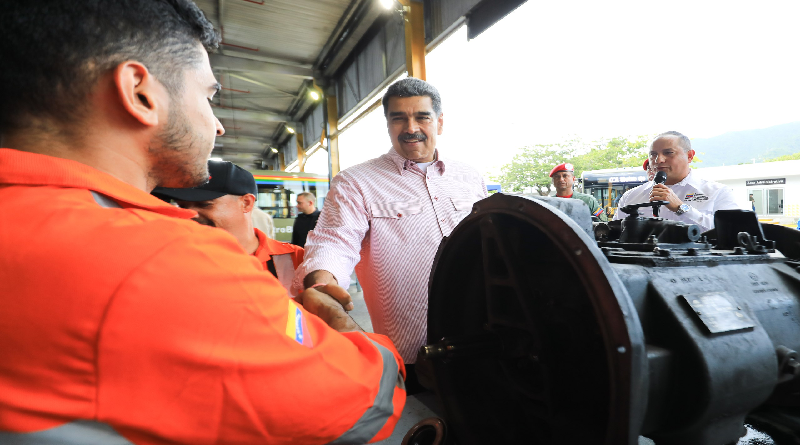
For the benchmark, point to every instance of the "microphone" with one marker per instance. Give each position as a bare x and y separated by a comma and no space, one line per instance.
661,177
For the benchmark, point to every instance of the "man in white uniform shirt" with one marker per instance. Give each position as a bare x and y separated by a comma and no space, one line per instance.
388,216
691,199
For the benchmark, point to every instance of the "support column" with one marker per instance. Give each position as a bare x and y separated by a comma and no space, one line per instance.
331,113
301,153
414,17
281,162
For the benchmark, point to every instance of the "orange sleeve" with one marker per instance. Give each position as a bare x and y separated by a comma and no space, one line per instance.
200,346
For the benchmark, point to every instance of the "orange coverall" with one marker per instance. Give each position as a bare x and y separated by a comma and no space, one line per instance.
121,317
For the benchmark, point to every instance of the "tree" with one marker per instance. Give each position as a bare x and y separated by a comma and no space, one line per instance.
790,157
531,167
616,152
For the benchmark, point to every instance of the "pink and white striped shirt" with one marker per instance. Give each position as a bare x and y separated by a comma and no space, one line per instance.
386,217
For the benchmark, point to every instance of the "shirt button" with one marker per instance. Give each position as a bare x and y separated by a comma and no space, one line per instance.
399,215
442,219
436,198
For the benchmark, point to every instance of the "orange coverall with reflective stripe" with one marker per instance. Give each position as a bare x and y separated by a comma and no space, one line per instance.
120,312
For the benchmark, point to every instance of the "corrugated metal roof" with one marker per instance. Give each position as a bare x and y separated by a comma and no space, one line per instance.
265,64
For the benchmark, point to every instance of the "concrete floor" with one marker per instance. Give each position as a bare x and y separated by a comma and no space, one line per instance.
359,313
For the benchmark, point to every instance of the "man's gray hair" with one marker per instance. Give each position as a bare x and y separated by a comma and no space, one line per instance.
411,87
683,141
308,195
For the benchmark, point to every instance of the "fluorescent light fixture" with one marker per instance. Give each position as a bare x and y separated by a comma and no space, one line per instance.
290,129
388,4
274,150
215,159
314,95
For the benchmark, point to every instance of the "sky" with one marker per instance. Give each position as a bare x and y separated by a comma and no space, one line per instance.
550,71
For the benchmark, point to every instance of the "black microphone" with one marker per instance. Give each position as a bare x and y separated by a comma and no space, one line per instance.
661,177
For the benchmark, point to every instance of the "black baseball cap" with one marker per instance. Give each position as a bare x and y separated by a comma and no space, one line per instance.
225,178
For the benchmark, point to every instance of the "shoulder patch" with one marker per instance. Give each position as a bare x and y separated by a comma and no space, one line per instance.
296,327
695,197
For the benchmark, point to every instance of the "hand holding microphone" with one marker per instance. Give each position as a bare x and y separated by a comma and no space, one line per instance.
663,193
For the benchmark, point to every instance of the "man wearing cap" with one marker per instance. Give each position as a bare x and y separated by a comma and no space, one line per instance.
692,200
651,173
226,201
564,179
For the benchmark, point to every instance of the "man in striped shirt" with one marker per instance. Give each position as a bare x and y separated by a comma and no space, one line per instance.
386,217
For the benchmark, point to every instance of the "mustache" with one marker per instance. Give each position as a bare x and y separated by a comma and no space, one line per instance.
204,221
408,137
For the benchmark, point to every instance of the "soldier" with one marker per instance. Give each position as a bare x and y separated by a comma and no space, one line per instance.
563,179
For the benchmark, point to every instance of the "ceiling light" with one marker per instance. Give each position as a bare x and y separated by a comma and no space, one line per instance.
314,95
216,159
274,150
290,130
388,4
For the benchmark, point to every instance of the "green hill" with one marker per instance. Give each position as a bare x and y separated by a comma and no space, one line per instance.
738,147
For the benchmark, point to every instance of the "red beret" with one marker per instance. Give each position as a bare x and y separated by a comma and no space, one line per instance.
563,167
646,164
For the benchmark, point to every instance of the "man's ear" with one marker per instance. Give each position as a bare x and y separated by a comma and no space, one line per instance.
441,123
248,202
690,155
140,93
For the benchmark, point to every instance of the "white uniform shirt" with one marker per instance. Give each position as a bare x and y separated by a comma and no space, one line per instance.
704,198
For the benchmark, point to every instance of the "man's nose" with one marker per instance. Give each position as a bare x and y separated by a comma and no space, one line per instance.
412,126
220,128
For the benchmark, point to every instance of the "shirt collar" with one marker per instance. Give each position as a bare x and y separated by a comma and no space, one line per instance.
403,164
268,247
23,168
690,179
262,253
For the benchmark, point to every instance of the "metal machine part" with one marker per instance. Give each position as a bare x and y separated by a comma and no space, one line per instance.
539,334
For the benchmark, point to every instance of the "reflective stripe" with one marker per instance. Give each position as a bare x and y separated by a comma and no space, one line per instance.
382,408
285,269
104,200
79,432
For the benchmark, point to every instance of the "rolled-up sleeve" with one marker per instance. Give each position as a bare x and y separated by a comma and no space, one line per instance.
335,243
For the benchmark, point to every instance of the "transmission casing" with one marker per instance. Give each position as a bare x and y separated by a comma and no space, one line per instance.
540,333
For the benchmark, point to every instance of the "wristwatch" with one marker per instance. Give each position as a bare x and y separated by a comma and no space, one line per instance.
683,208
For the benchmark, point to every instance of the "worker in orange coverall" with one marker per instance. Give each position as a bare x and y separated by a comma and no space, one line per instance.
123,321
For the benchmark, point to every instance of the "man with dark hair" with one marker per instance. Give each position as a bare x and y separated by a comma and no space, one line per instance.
306,220
227,201
388,216
691,199
124,321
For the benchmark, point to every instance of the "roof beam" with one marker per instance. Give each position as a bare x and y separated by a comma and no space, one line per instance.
231,63
249,116
242,144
